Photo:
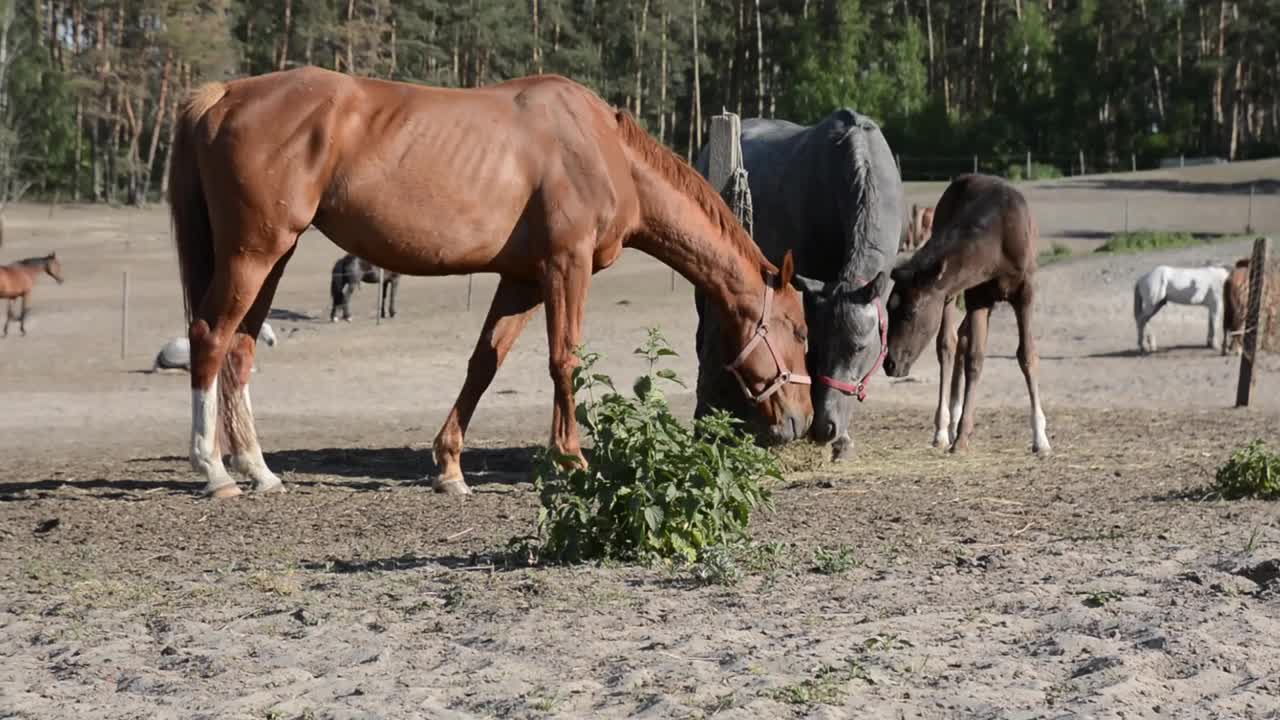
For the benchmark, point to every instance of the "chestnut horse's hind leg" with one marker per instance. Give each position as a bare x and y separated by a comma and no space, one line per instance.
235,286
246,453
946,357
1029,361
8,316
975,342
513,305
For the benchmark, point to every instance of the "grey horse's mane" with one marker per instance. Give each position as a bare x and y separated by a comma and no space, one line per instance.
857,176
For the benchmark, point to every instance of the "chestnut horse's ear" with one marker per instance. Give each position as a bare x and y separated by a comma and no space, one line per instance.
788,269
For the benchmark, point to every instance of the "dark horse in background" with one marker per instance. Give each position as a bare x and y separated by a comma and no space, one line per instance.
831,193
348,273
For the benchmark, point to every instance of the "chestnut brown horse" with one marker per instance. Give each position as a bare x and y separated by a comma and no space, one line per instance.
983,245
536,179
17,281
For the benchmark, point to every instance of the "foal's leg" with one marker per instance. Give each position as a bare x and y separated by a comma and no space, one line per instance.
1029,361
246,453
978,319
513,305
946,346
957,378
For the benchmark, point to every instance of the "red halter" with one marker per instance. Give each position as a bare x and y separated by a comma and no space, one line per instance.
860,390
784,376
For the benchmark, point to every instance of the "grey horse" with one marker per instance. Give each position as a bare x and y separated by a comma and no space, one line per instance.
832,194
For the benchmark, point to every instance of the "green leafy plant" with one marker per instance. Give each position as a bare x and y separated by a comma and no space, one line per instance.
836,560
1056,252
655,487
1039,171
1138,241
1252,472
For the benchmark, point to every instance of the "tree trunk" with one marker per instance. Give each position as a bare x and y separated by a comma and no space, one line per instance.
928,26
759,63
537,37
1219,116
285,30
161,106
640,25
662,91
695,113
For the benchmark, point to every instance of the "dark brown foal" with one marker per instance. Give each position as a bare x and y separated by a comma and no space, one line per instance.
983,245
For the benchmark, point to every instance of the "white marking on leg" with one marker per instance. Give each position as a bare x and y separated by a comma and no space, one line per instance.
941,425
249,460
957,409
1040,440
205,458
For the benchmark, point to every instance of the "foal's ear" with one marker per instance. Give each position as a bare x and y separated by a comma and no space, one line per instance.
788,269
879,285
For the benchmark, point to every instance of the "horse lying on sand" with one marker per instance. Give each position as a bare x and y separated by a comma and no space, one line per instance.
176,354
17,281
1182,286
535,179
984,245
920,227
831,194
348,272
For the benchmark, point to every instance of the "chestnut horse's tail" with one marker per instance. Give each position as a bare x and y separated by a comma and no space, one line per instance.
190,212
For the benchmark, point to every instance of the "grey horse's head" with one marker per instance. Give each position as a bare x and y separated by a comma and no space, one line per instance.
846,315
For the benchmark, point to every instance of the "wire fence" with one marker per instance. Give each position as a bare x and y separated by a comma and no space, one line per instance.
1021,166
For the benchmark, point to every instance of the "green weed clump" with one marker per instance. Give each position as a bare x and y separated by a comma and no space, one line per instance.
1143,240
1252,472
656,488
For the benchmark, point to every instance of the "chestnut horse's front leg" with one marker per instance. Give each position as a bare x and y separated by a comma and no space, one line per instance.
513,305
565,290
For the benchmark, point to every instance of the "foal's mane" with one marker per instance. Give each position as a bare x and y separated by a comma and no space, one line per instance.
684,178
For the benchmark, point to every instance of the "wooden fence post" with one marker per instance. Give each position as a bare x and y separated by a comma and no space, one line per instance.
726,149
1248,223
1028,177
1253,319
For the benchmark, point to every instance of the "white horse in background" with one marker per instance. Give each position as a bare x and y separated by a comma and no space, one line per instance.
1182,286
176,354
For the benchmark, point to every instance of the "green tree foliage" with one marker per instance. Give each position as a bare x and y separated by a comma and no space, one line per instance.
88,88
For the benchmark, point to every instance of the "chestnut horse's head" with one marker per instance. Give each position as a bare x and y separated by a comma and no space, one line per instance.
770,366
53,267
915,313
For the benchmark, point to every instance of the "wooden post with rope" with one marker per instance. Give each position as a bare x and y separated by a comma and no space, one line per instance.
1253,319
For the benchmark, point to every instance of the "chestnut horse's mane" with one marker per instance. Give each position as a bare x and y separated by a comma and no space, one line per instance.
686,179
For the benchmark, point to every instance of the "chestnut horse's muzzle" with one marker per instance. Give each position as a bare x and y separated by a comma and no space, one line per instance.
761,334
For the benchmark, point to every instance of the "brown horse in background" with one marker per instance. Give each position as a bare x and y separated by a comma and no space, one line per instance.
986,248
17,281
1235,296
536,179
920,228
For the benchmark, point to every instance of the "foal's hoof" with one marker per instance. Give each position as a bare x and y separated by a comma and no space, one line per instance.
841,451
450,486
224,492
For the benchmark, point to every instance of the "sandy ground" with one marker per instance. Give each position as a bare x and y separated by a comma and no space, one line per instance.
1098,582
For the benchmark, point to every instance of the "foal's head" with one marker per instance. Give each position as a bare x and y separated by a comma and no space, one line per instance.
788,409
915,313
53,267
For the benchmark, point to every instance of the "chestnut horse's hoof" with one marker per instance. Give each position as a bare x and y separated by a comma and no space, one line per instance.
450,486
221,493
